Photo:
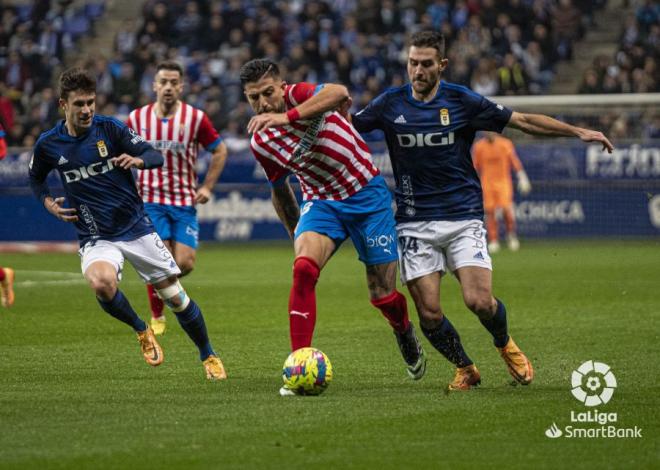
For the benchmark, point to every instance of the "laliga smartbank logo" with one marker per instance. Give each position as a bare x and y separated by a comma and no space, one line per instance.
593,384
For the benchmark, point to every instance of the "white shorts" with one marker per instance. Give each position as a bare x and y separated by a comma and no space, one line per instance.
148,255
430,246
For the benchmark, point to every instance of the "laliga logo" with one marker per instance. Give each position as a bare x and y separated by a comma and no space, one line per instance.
593,383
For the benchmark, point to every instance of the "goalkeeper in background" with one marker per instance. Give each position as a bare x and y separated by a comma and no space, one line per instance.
494,159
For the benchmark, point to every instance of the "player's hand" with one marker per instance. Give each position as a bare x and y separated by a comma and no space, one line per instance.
202,195
266,120
345,107
524,186
67,214
587,135
127,162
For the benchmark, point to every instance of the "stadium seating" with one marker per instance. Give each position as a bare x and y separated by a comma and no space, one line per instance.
498,47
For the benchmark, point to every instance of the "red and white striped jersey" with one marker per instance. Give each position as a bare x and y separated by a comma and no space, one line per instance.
327,155
178,138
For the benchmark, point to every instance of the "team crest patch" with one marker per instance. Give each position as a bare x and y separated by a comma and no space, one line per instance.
103,150
444,116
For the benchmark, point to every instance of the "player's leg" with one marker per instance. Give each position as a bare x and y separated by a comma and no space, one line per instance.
369,220
191,319
492,224
312,250
185,237
155,264
185,257
381,279
422,262
7,287
102,264
510,225
476,285
473,269
162,223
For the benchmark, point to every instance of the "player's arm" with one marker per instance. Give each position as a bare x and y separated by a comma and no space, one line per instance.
524,186
286,206
540,124
211,140
329,97
38,170
218,160
136,152
369,118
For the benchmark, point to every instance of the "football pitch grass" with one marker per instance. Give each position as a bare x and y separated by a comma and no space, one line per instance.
76,393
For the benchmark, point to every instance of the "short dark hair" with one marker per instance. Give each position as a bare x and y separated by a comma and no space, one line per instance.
76,79
255,69
169,65
432,39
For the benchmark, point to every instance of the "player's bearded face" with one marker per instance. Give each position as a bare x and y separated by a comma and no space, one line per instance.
266,95
424,69
168,85
79,108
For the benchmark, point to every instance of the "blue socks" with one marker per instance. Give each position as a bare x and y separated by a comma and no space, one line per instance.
445,339
192,322
121,309
497,326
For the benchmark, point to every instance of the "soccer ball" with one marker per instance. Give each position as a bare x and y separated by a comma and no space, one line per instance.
307,371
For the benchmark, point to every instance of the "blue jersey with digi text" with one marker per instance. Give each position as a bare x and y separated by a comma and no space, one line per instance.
106,198
429,145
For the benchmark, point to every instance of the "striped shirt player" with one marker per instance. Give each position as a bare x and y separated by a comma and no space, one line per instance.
178,138
326,153
170,193
298,130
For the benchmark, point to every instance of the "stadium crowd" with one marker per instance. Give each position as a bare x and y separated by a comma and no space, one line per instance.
497,47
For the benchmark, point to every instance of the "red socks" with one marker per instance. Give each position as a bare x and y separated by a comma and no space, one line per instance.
155,302
302,302
395,309
2,274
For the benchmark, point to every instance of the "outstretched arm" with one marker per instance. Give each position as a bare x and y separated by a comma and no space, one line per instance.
540,124
331,97
286,206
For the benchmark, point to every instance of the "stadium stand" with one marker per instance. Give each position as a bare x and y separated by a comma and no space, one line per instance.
35,38
497,47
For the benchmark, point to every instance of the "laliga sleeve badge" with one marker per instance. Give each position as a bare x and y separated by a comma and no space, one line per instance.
103,150
444,116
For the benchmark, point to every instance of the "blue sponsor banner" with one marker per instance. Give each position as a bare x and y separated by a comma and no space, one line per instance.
587,212
579,191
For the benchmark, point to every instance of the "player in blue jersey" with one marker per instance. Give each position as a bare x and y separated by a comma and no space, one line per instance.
94,156
429,127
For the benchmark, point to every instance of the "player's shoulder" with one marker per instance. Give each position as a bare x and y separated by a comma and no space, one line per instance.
108,121
47,136
137,111
454,89
395,92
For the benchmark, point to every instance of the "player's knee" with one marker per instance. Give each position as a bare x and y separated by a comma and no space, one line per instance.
480,304
174,296
186,266
429,312
305,270
103,285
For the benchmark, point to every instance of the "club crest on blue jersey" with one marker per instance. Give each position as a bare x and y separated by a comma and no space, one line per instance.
444,117
103,150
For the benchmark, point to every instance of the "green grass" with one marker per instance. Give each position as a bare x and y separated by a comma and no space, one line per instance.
75,392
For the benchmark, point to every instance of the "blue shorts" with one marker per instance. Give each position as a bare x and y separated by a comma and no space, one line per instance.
175,223
366,217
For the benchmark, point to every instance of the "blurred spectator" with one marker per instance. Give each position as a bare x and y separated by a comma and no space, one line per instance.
567,27
512,76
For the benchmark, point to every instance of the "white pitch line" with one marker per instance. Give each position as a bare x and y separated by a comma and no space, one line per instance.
27,273
48,283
